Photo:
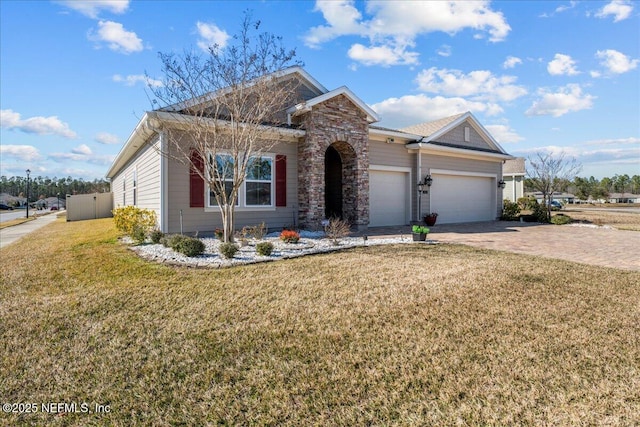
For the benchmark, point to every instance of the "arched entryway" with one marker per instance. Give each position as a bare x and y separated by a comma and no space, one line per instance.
340,190
332,184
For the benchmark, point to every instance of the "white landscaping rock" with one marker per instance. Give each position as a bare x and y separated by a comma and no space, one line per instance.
310,243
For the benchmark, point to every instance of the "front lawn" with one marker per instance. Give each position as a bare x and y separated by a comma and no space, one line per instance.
385,335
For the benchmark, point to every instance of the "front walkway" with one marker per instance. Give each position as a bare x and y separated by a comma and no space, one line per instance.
600,246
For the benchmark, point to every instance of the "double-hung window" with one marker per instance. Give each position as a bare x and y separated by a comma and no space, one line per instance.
257,190
259,182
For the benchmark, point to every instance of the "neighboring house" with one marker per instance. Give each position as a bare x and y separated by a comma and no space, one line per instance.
513,172
331,161
557,195
623,198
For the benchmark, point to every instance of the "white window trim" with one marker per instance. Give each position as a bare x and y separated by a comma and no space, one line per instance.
241,205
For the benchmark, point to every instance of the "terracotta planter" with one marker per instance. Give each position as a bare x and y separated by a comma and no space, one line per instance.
430,220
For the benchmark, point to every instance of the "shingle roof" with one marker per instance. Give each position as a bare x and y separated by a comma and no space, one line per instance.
429,128
514,166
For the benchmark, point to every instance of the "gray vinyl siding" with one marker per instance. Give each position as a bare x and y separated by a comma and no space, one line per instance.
430,162
456,136
206,220
146,163
396,155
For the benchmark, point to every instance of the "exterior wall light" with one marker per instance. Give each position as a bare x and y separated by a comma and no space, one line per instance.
502,184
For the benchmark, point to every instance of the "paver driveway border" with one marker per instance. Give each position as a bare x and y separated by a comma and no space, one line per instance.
601,246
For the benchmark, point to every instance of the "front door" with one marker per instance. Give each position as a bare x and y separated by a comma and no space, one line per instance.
332,183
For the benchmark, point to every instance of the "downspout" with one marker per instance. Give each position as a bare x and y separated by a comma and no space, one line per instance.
419,178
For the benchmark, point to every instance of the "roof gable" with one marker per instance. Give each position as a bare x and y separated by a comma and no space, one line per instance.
435,130
306,106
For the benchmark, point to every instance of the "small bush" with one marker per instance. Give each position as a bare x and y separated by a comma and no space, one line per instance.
127,219
527,203
540,212
337,229
139,235
561,219
510,210
156,236
219,232
264,248
257,231
228,250
289,236
190,246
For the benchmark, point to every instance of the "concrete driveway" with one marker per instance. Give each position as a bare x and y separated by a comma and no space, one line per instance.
600,246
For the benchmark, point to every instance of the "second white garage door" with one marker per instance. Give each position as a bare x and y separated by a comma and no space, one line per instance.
458,198
388,198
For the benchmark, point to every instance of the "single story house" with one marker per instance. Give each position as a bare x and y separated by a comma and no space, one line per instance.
513,172
332,161
623,198
557,195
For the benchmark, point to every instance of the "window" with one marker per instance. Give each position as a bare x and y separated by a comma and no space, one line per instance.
258,187
135,187
258,181
467,135
223,168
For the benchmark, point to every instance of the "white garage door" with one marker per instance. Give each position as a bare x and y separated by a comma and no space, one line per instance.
459,198
388,199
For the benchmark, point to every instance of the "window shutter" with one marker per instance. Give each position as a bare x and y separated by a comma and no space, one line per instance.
196,183
281,180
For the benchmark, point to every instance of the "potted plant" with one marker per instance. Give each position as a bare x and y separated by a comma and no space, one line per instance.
430,219
420,233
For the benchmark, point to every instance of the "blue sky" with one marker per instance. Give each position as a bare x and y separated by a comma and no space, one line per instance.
560,76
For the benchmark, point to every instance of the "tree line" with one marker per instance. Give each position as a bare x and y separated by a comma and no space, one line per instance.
50,187
585,188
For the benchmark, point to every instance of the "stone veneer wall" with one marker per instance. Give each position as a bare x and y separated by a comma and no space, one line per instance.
340,123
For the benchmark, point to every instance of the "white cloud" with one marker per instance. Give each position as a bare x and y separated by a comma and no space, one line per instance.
381,55
117,38
620,9
132,79
394,26
562,65
569,98
511,62
444,50
92,8
563,8
504,133
480,84
82,149
616,62
614,141
107,138
39,125
211,35
413,109
25,153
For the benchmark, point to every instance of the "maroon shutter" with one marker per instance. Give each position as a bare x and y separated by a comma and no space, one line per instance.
196,183
281,180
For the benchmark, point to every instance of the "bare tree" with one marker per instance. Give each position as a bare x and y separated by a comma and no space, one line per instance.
549,172
220,112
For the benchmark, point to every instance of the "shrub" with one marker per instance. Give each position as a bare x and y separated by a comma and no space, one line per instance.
219,232
257,231
540,212
156,236
264,248
139,235
337,229
129,218
510,210
561,219
289,236
172,240
527,202
228,250
189,246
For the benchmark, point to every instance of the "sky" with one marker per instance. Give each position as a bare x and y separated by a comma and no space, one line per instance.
559,76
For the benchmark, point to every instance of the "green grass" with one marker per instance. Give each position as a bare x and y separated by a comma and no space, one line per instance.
396,335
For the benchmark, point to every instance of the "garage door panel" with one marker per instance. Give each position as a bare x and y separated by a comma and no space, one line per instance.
388,199
458,198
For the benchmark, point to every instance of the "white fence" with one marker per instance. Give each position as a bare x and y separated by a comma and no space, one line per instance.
89,206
